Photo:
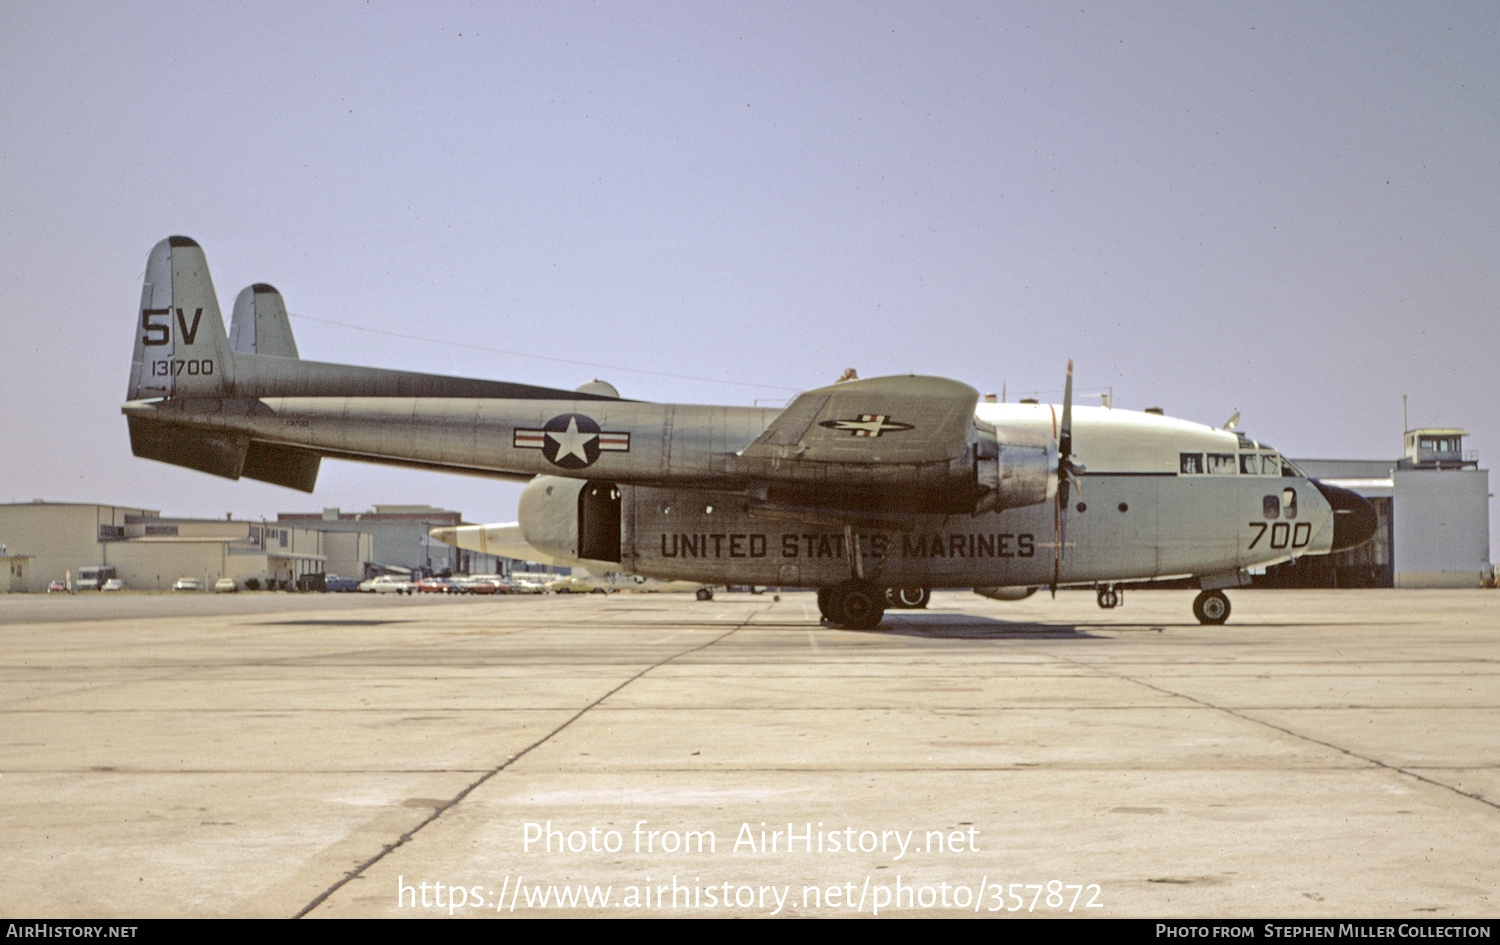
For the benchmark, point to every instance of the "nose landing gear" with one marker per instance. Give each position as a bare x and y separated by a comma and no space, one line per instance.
1211,607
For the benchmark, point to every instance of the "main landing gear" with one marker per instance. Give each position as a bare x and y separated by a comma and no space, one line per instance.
907,598
855,603
1110,597
1211,607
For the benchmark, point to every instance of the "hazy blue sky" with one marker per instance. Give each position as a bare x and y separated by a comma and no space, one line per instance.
1284,209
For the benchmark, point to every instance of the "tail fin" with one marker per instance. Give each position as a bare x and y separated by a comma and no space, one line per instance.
260,325
181,349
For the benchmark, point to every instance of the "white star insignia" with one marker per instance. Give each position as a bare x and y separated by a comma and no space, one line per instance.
570,442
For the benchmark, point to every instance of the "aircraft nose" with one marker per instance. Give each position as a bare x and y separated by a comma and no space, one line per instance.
1353,516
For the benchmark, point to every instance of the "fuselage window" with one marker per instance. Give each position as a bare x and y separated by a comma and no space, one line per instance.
1271,506
1192,464
1289,502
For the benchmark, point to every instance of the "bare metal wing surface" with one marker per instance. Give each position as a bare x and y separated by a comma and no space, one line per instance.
869,490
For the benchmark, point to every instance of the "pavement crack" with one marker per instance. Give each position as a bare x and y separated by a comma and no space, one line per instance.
1287,731
438,812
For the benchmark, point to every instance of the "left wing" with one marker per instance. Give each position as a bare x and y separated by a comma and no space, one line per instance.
860,452
905,420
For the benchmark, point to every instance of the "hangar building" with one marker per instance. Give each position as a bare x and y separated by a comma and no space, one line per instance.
149,552
1432,509
401,540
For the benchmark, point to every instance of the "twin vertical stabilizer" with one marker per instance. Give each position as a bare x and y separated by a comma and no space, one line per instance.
181,349
260,324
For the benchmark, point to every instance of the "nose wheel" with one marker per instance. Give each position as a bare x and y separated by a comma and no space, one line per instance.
1211,607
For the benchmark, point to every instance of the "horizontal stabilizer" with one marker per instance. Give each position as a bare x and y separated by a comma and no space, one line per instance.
281,466
223,454
219,454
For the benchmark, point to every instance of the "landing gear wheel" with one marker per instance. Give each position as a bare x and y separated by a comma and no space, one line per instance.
823,594
705,593
1211,607
856,604
1109,598
910,598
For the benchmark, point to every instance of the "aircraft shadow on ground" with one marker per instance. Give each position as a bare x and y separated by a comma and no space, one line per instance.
970,627
328,623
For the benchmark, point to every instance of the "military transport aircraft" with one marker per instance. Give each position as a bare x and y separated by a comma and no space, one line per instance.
889,484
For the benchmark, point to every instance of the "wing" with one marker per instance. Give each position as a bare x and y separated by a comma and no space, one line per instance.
905,420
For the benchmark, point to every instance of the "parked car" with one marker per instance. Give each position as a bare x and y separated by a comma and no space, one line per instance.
530,582
187,584
482,584
436,585
573,584
388,584
225,586
57,587
342,585
113,584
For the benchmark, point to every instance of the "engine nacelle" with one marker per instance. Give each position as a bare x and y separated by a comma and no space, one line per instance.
998,469
1013,468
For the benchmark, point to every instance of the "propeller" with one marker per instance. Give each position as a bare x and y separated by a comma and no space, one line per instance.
1067,475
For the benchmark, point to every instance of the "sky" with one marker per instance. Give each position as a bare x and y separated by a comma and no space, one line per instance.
1286,210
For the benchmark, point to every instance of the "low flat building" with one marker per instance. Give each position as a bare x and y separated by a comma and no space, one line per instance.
149,552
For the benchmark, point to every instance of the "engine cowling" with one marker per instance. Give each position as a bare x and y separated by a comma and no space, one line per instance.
1013,468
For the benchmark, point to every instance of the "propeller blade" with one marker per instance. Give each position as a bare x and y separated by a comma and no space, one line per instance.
1064,476
1065,435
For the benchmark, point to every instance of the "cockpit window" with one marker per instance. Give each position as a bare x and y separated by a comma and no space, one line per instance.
1259,464
1221,464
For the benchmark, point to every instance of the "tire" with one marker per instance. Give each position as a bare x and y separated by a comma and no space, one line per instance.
908,598
1211,607
856,605
705,594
